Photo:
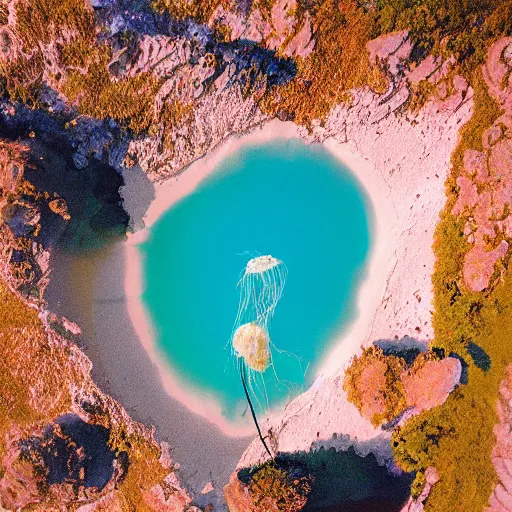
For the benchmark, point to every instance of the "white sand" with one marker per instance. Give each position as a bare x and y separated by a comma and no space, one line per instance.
380,264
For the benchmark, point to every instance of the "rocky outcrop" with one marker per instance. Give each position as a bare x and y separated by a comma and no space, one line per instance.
393,49
501,498
428,385
280,485
281,30
479,264
209,90
485,186
12,164
385,386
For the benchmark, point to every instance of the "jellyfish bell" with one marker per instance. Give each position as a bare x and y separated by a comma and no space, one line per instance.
261,264
251,342
260,287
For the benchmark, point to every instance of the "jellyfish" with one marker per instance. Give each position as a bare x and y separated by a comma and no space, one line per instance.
260,287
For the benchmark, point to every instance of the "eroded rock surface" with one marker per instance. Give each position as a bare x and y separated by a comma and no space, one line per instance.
282,30
430,384
210,83
501,498
485,187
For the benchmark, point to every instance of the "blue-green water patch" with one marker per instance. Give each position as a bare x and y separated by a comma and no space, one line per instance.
288,199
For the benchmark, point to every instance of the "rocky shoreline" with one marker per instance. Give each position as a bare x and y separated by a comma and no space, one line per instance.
66,420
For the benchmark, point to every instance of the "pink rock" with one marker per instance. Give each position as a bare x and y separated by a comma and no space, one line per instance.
460,83
442,70
483,212
430,385
500,160
502,467
111,502
502,196
394,48
302,44
507,226
424,69
71,326
161,500
479,265
495,71
475,162
468,195
492,135
442,90
282,21
228,18
258,28
386,45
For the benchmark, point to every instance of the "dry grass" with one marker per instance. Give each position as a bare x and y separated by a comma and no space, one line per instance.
35,373
65,32
389,397
339,63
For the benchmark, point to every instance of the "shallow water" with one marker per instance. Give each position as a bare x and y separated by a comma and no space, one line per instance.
291,200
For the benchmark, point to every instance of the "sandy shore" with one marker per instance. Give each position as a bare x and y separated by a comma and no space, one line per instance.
380,262
370,293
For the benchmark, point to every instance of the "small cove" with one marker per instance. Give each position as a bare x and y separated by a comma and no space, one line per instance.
285,198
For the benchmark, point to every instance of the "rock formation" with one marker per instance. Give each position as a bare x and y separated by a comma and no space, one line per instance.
485,187
385,386
501,498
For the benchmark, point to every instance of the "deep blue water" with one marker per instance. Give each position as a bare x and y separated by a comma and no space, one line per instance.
291,200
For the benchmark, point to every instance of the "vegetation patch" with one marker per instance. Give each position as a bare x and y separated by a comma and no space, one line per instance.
56,43
279,484
373,384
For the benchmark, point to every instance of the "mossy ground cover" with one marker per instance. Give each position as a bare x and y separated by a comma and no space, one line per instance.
25,358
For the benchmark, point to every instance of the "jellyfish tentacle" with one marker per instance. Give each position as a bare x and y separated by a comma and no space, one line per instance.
242,377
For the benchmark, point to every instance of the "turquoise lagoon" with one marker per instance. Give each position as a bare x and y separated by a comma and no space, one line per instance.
288,199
